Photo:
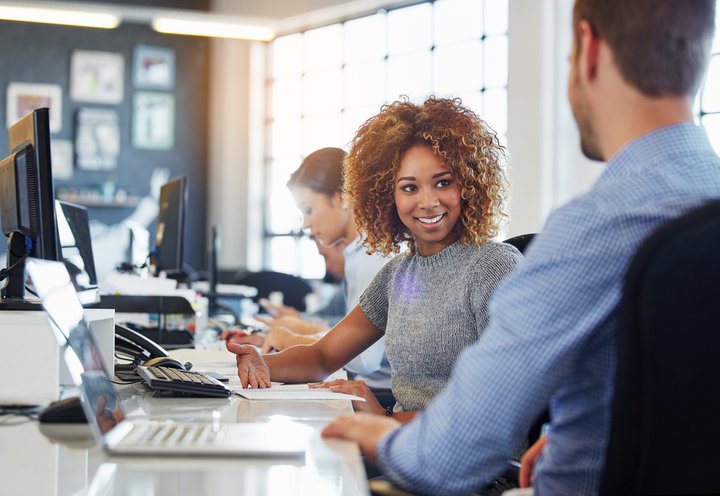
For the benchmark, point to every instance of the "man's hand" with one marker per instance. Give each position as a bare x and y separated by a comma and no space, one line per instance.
358,388
527,463
363,428
252,369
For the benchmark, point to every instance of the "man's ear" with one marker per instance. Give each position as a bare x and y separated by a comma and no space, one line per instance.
588,51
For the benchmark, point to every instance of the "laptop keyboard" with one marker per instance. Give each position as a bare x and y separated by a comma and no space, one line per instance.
171,434
183,382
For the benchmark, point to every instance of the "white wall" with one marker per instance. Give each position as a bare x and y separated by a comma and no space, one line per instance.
228,143
547,167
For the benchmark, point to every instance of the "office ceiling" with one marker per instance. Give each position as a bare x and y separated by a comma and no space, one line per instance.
167,4
284,16
272,9
277,9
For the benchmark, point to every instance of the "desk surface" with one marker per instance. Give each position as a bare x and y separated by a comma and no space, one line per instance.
33,464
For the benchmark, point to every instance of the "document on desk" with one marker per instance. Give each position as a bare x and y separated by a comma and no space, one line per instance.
286,392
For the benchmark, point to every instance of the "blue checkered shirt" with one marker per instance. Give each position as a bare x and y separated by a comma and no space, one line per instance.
552,332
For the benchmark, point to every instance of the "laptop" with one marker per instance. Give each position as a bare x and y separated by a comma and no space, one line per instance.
101,404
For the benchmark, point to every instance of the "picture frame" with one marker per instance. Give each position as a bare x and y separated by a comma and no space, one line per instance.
23,98
62,159
153,120
97,139
97,77
153,67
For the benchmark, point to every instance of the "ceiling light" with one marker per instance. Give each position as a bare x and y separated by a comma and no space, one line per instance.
213,26
67,17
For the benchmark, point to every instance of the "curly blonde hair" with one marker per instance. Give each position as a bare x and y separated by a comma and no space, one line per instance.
467,146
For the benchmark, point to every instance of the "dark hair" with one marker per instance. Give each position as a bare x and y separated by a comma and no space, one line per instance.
661,47
465,143
321,171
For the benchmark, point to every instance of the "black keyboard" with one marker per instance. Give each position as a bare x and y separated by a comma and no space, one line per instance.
182,382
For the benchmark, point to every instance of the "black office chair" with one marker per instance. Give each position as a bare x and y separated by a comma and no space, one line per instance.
293,288
665,422
520,241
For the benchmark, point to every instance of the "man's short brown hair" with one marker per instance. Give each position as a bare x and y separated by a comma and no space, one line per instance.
661,47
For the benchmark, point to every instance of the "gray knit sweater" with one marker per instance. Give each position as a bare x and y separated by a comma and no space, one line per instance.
430,309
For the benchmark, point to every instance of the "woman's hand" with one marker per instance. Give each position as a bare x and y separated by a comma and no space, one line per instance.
363,428
294,323
240,336
277,310
279,337
252,369
357,388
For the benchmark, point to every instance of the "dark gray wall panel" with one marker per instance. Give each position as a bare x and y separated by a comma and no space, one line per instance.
36,53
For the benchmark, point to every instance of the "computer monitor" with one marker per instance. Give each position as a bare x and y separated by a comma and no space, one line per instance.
76,249
213,260
27,200
138,245
167,256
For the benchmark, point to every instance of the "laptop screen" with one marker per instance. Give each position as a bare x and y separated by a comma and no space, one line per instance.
76,248
65,313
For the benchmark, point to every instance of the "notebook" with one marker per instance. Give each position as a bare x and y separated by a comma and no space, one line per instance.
101,404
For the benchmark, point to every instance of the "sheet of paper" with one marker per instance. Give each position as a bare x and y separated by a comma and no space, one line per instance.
293,392
116,283
205,357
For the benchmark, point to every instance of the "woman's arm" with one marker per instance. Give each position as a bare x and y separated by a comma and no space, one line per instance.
294,323
351,336
280,338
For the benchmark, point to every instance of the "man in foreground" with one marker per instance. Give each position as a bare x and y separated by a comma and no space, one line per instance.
635,66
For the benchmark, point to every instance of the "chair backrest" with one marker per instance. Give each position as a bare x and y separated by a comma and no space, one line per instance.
293,288
520,241
665,421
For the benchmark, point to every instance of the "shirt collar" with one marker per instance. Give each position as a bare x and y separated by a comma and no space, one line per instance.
353,247
656,146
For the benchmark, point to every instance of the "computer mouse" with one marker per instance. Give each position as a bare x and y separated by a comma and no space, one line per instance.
167,362
65,411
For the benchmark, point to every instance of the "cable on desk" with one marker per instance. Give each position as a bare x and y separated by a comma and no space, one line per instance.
26,413
124,383
5,271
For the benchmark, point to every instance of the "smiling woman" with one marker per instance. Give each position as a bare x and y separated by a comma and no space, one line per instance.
427,200
429,177
406,143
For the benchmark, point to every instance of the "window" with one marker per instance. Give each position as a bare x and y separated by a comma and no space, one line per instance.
325,82
709,101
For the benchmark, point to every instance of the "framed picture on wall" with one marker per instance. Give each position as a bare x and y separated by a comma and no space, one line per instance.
153,120
97,77
23,98
62,159
153,67
97,139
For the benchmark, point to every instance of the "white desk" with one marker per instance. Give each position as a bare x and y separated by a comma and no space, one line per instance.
32,464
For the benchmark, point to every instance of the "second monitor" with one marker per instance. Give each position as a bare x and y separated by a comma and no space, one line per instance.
167,256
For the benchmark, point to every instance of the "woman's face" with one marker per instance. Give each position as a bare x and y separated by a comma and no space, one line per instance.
427,199
323,216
